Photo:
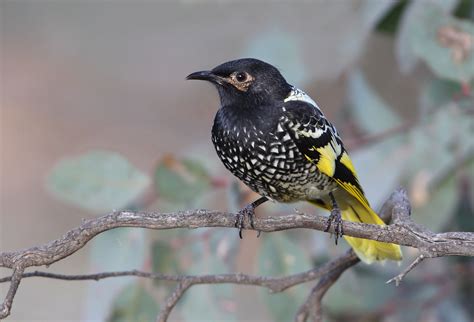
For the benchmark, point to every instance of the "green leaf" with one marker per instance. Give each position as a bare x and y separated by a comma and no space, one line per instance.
436,146
465,9
207,302
368,106
447,58
452,310
113,250
437,93
403,49
134,303
440,140
97,181
372,164
358,292
374,10
281,256
164,259
181,181
389,23
437,212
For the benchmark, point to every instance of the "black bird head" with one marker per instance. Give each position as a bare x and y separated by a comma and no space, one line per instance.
246,82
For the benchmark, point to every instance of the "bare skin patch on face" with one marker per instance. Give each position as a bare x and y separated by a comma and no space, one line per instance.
240,80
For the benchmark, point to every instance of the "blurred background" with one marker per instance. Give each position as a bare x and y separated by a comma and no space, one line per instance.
96,115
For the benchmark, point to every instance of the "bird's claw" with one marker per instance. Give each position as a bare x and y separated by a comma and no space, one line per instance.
335,217
247,211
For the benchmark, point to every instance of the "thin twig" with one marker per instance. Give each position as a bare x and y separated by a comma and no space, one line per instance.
274,284
352,144
171,301
311,308
15,282
398,279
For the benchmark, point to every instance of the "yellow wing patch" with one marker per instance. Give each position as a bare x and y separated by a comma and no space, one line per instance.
345,160
327,156
327,160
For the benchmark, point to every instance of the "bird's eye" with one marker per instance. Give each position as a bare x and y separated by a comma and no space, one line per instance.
241,77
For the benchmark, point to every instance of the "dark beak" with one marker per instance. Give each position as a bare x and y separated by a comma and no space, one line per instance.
205,75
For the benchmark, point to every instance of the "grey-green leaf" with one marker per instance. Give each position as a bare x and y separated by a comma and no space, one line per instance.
97,181
436,93
164,260
368,106
358,292
207,302
134,303
443,42
403,50
281,256
181,181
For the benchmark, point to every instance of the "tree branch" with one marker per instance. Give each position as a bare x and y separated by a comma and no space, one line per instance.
403,232
311,308
274,284
182,287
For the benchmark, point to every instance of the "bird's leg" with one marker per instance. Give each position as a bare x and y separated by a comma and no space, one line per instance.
335,217
248,211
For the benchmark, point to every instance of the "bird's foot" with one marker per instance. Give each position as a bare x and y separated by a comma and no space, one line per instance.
247,211
335,217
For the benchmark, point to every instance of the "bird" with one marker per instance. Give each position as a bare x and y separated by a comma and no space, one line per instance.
275,138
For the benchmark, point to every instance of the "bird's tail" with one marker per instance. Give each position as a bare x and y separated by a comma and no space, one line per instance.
367,250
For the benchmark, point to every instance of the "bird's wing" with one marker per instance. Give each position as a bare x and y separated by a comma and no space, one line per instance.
317,139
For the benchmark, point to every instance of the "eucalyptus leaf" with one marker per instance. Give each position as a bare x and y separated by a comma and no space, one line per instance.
438,211
281,256
164,259
440,140
368,106
372,163
451,310
181,181
207,302
358,292
404,52
97,181
436,146
134,303
441,41
373,10
437,93
113,250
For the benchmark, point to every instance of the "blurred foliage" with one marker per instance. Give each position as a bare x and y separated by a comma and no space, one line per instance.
181,181
97,181
365,101
208,302
444,43
282,256
283,49
163,258
389,23
134,303
432,154
465,10
404,50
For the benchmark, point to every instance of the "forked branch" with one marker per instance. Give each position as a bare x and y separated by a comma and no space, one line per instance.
403,231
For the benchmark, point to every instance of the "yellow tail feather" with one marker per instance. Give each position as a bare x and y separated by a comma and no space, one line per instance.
367,250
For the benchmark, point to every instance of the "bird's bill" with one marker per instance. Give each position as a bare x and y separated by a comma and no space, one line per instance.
205,75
